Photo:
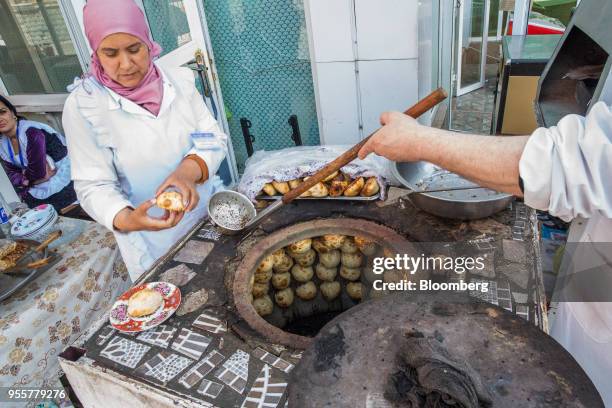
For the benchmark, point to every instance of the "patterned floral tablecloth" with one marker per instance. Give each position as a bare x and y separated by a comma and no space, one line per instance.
50,313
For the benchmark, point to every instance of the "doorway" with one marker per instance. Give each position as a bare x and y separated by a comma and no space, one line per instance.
478,29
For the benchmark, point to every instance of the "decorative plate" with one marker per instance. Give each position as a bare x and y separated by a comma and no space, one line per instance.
121,321
33,220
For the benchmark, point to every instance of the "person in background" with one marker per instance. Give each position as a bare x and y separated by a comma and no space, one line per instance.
565,170
129,127
35,159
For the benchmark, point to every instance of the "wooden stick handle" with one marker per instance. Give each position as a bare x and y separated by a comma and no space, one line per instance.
415,111
52,237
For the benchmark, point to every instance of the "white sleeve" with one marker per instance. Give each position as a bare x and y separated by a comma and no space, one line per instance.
567,169
207,123
95,179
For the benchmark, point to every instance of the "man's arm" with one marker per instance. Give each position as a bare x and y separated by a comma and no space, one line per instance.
490,161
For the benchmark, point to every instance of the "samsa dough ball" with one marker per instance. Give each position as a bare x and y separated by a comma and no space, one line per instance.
348,246
283,264
267,263
330,259
319,246
300,247
367,247
263,276
302,273
330,290
263,305
260,289
284,298
333,241
306,291
281,280
307,258
355,290
324,273
351,274
352,260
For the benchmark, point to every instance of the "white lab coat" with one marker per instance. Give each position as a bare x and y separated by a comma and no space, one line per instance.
121,153
567,170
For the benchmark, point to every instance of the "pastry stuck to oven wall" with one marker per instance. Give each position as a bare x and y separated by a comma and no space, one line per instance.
355,290
171,201
281,280
260,289
324,273
307,291
144,302
284,298
330,290
263,305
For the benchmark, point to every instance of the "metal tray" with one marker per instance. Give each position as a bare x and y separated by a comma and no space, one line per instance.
16,278
342,198
462,205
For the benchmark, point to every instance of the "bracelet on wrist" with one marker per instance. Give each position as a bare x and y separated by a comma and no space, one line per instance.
203,167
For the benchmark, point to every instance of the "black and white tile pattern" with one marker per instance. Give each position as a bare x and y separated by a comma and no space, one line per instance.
164,366
490,296
504,295
210,323
125,352
105,334
267,390
273,360
158,336
235,371
199,371
210,389
191,344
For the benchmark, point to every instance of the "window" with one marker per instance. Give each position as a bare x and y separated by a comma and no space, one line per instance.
550,16
37,55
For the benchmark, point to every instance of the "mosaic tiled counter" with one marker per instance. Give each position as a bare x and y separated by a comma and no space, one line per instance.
207,355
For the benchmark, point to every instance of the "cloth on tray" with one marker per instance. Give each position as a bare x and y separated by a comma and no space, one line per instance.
428,376
301,161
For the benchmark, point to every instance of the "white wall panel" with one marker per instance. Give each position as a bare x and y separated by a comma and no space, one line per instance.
386,85
386,29
331,29
338,102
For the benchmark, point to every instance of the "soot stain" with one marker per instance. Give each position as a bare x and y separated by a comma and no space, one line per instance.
329,349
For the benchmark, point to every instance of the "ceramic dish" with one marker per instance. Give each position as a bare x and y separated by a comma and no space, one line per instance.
36,223
121,321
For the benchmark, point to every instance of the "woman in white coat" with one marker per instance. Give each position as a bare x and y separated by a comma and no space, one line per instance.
128,127
566,170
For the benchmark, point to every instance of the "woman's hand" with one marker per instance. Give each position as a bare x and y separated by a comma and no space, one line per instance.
49,172
184,179
137,219
398,140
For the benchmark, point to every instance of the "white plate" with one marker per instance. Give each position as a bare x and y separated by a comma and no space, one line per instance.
33,220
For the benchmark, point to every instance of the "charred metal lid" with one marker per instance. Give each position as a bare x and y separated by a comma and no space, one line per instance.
354,358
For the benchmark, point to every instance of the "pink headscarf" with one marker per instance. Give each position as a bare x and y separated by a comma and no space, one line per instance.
102,18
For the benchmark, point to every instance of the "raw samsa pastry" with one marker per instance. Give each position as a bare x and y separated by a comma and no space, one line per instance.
171,201
144,302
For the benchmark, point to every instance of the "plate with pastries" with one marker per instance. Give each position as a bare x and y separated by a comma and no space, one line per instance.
145,306
336,186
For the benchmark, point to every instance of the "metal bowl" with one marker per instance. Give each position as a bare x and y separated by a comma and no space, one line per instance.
462,205
242,212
